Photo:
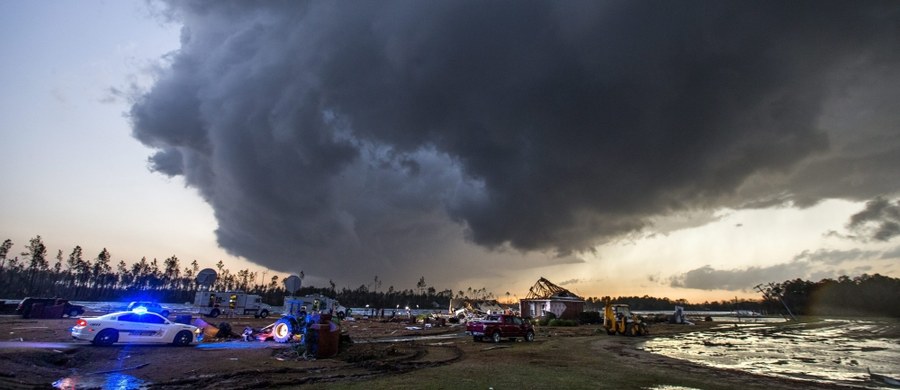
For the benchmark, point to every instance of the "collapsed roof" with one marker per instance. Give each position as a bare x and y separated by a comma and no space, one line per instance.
479,306
544,289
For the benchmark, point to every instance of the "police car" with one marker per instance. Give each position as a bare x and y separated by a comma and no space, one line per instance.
152,307
136,326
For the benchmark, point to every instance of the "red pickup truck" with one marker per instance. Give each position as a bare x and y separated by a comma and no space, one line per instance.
497,327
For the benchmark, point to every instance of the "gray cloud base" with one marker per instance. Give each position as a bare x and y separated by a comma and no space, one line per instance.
356,137
815,265
879,221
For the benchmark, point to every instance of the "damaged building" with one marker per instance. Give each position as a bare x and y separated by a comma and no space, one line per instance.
474,307
545,297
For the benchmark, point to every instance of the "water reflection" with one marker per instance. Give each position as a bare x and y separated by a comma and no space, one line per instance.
114,381
829,351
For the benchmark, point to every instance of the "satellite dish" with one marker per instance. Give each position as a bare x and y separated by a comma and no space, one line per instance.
206,277
292,283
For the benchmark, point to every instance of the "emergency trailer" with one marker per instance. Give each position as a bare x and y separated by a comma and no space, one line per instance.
214,303
316,302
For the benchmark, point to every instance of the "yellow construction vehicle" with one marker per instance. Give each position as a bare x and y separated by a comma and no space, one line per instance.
619,319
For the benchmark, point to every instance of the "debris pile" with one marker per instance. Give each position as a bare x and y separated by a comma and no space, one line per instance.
545,297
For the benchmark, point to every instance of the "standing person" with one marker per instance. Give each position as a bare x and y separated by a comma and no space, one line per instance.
312,335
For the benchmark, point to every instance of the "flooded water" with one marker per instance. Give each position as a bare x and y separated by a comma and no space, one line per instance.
830,351
241,345
113,381
35,345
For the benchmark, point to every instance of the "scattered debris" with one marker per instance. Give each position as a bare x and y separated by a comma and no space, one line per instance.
883,379
464,309
679,317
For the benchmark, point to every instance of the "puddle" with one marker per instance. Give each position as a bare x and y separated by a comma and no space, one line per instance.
34,345
829,351
114,381
240,345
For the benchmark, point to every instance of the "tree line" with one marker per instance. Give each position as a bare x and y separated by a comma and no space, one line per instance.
864,295
76,277
648,303
79,278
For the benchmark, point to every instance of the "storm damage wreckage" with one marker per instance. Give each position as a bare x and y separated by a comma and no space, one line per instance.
465,309
545,297
311,324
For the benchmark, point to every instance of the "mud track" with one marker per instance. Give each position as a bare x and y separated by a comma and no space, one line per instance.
358,363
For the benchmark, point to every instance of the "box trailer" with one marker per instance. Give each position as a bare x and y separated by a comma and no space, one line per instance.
215,303
295,305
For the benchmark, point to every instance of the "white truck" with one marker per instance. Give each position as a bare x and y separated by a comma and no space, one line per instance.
215,303
294,305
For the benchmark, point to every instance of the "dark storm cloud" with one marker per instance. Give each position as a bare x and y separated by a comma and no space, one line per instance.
372,135
879,221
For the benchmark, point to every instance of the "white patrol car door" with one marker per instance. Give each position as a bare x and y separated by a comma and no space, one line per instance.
154,328
141,328
130,328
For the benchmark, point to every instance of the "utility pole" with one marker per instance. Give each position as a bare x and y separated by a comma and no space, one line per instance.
768,296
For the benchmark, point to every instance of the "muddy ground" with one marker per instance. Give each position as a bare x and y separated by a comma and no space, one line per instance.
35,353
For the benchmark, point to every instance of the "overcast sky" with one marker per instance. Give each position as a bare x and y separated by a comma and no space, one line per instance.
681,149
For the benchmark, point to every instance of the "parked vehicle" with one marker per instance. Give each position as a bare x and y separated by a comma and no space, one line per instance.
8,308
25,307
152,307
135,326
316,302
619,319
321,331
286,328
498,327
295,311
212,304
